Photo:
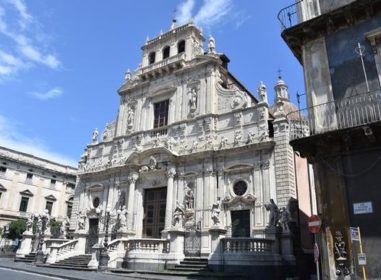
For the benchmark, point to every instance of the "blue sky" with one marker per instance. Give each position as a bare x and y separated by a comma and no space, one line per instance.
61,61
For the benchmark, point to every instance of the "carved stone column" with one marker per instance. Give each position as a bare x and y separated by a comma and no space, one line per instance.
171,172
131,198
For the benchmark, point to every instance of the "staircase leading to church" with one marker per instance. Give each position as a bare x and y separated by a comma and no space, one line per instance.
27,258
78,262
192,264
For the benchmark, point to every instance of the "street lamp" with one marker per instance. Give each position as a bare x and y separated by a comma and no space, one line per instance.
104,257
40,254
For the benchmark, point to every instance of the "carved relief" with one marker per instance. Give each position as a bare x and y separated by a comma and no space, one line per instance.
237,137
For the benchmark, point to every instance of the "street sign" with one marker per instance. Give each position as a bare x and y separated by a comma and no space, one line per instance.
316,253
363,208
354,234
361,259
314,224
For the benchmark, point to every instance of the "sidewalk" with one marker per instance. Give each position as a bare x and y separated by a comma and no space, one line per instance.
91,275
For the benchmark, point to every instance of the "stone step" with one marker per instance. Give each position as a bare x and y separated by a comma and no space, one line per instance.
188,269
193,261
68,267
191,265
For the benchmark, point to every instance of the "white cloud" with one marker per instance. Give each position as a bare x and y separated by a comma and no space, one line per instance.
184,11
11,138
212,12
9,63
23,41
53,93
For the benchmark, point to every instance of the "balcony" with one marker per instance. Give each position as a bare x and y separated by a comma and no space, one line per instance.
298,12
163,66
350,112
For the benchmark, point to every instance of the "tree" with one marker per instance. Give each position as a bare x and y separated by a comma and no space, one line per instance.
16,228
55,228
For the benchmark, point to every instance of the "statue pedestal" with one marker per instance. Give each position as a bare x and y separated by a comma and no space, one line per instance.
94,263
176,239
216,256
287,246
81,245
272,232
26,245
125,234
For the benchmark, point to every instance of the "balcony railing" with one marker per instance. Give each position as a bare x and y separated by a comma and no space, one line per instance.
354,111
288,16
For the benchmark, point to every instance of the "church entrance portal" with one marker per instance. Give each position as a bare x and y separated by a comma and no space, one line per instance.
154,212
240,223
92,238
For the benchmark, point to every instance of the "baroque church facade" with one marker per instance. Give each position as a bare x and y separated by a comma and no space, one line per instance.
193,166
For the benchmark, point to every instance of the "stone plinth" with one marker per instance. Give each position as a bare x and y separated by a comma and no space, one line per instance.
216,254
176,238
286,245
26,245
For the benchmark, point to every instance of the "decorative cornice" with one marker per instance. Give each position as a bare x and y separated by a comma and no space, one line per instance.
26,193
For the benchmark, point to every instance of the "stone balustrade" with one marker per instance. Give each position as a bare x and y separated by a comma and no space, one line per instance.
146,246
59,252
247,245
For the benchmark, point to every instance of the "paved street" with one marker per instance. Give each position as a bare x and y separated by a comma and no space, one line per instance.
10,270
6,273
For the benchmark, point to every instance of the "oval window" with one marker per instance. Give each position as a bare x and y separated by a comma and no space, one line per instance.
240,188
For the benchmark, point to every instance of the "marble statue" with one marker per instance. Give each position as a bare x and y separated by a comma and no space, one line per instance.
193,99
178,216
29,223
211,45
81,221
95,136
262,92
123,218
130,118
128,75
216,212
189,198
284,219
274,213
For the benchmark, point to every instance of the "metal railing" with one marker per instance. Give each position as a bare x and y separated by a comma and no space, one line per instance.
240,245
354,111
288,16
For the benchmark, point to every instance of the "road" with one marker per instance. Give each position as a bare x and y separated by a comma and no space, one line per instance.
10,274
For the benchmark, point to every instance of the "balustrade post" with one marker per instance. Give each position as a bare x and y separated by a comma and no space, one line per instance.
216,257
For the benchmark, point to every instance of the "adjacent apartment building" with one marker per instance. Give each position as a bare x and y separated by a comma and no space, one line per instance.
29,184
339,45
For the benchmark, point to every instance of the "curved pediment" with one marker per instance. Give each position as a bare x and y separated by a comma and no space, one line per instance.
239,167
142,157
95,188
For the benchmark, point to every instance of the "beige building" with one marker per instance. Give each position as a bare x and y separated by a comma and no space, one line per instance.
29,184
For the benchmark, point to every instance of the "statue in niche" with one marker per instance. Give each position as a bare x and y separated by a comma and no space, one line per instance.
81,220
223,142
152,163
130,117
250,137
340,254
274,213
122,215
95,136
189,198
193,99
216,212
285,218
178,216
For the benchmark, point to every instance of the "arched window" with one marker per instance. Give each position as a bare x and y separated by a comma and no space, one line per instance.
240,188
181,47
166,51
151,57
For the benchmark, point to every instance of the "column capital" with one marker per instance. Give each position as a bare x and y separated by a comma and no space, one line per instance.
171,172
133,177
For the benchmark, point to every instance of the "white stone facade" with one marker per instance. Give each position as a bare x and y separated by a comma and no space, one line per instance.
38,181
218,152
